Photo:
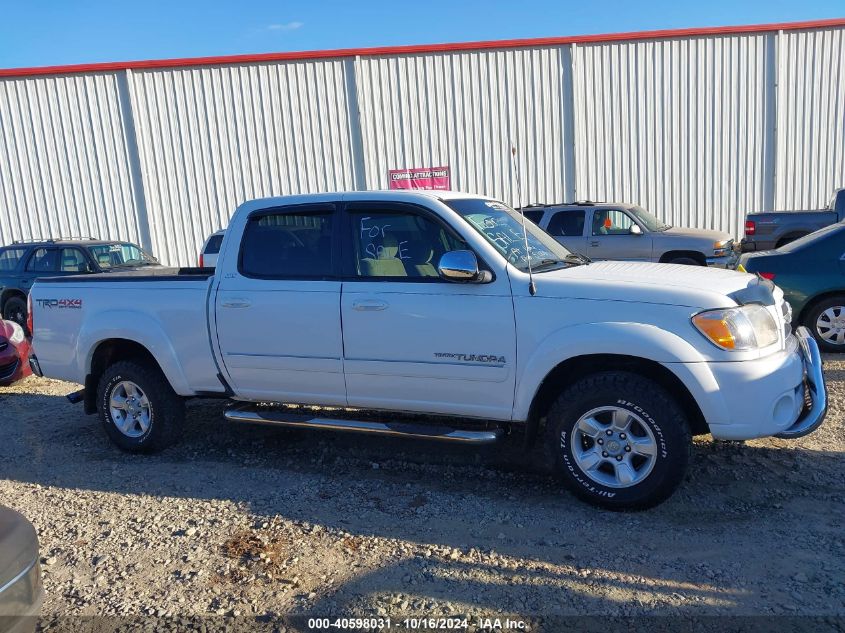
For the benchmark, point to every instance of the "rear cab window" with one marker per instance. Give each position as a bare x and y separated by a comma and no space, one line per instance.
9,258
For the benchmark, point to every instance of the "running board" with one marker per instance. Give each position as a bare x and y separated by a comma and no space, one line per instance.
274,417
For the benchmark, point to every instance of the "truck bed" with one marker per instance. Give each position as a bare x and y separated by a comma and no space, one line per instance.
140,274
163,309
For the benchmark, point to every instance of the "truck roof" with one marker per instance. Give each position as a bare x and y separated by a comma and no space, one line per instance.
400,195
580,204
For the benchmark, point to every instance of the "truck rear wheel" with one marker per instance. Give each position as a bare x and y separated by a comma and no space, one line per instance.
618,441
138,408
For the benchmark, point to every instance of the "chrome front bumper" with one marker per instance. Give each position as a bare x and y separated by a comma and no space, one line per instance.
724,261
815,411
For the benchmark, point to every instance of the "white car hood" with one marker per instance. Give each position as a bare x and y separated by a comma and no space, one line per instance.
671,284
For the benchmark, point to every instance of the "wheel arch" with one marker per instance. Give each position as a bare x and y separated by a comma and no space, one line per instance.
572,369
791,236
106,353
814,301
696,255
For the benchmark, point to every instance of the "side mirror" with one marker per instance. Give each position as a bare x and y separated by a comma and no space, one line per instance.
462,267
635,230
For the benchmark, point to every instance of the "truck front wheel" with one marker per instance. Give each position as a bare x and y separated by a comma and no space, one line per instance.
139,410
618,440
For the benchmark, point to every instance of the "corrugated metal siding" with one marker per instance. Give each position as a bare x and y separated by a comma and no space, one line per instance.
811,118
701,130
464,110
211,138
63,159
678,126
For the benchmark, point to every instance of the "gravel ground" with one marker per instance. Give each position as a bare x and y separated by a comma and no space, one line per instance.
254,521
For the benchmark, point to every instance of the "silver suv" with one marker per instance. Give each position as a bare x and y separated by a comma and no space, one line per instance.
603,230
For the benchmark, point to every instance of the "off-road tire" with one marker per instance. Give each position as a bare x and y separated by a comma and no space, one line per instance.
167,409
15,310
654,406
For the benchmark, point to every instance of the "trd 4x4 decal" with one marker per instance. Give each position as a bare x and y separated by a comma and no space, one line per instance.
73,304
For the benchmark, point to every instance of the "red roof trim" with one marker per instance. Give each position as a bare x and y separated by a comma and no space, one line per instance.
421,48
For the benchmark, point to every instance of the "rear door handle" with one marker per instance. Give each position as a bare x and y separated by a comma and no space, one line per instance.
369,305
236,303
594,243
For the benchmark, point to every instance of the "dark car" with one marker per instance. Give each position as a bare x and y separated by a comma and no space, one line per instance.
14,353
23,262
811,272
773,229
21,592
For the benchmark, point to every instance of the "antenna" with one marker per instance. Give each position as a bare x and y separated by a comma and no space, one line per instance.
532,289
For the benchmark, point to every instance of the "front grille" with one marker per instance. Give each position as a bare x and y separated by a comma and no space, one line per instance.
786,311
8,370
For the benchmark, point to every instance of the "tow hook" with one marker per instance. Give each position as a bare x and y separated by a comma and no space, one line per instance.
76,397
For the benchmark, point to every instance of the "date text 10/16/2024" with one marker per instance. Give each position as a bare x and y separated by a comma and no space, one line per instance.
417,623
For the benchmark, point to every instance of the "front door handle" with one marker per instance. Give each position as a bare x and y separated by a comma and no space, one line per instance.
369,305
594,243
236,303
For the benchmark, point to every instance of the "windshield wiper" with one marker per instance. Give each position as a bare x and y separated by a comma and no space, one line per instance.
577,258
545,263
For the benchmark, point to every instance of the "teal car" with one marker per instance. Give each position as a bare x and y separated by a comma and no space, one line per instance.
811,273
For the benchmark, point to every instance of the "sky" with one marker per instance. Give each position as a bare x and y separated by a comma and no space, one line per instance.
50,32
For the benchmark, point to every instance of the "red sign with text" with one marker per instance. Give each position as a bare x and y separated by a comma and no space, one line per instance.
420,178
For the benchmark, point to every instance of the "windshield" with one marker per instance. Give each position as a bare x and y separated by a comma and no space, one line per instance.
502,227
120,254
648,219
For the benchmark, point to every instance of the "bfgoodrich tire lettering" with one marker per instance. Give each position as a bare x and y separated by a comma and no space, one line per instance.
166,410
618,440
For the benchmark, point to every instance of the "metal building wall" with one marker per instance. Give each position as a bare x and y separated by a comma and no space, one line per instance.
211,138
464,110
811,118
64,166
701,129
682,127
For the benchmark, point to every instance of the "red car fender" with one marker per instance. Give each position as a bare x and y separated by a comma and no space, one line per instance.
15,354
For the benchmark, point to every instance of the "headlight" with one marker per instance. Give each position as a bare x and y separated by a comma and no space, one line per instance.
722,248
17,333
738,329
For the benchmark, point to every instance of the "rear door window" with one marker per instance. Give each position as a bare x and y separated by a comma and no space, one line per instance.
43,260
293,245
567,223
9,258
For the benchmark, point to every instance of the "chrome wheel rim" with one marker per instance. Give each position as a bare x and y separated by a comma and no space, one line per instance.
130,409
831,325
614,447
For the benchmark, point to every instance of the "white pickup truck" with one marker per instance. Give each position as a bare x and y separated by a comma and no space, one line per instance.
415,314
